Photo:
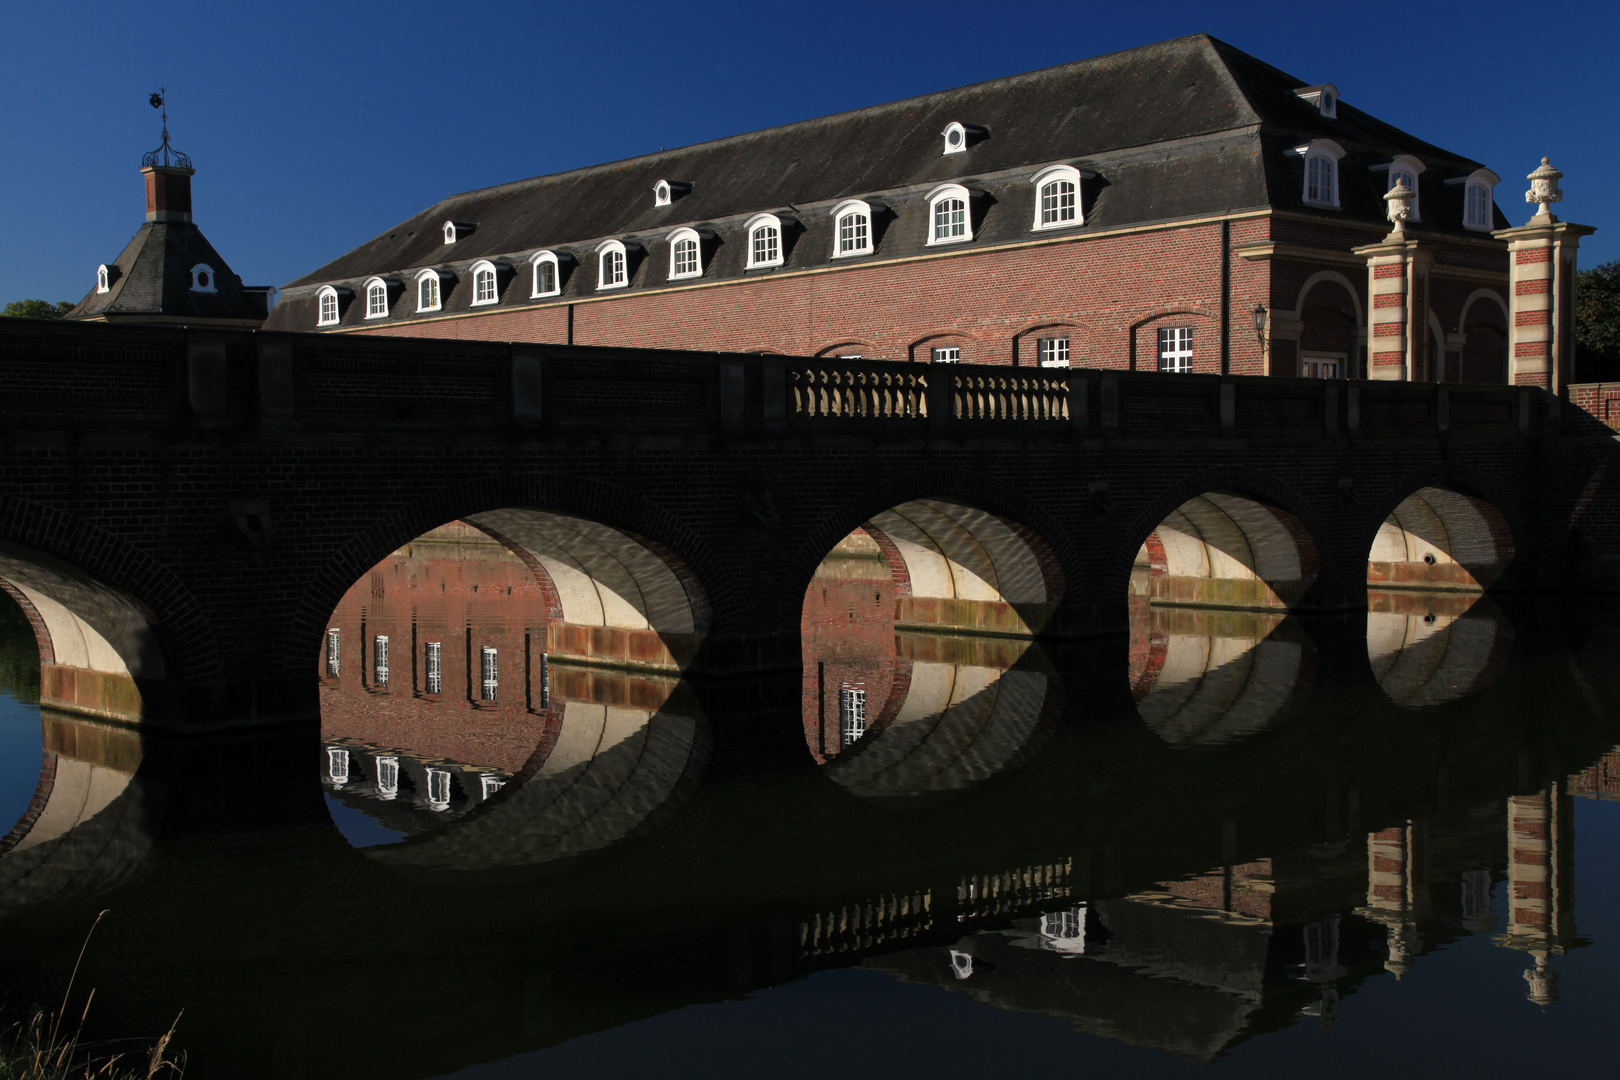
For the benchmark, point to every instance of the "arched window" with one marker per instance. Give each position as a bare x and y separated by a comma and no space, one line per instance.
852,228
202,278
328,307
376,299
667,191
1406,169
458,230
427,291
948,219
1321,171
103,282
764,241
1479,207
486,287
1057,197
612,266
545,274
685,254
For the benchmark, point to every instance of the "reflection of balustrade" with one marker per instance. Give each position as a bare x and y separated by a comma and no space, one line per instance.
999,894
886,395
854,927
1010,397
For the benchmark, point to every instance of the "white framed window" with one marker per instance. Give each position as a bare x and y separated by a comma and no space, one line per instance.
764,241
1176,349
457,230
1479,206
851,356
685,254
328,301
376,299
433,662
852,228
486,287
545,274
667,191
427,291
1053,351
1322,158
337,765
851,715
438,789
490,670
202,278
1057,197
379,660
949,221
387,776
1324,97
959,136
612,270
946,354
334,654
489,784
1322,367
103,279
1064,925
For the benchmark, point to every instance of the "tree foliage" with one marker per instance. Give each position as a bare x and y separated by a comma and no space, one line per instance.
1597,323
36,309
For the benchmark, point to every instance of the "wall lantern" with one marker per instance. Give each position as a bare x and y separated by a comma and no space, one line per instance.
1260,325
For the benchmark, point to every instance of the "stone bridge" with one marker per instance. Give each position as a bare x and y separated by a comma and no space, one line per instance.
183,507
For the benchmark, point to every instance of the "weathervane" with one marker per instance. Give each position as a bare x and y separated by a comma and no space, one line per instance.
162,155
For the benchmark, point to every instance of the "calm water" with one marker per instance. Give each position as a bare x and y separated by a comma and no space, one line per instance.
1233,843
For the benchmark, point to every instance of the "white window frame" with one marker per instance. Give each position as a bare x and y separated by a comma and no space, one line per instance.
1053,351
387,767
429,279
374,288
334,654
484,271
661,193
536,261
453,231
1311,365
848,209
611,255
337,765
1324,97
103,279
938,196
774,255
1175,349
1057,174
955,135
198,285
438,789
433,667
1329,153
1486,180
379,660
323,297
676,239
490,784
489,669
945,354
851,715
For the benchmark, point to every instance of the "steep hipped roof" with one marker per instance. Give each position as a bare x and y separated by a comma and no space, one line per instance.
1184,128
153,278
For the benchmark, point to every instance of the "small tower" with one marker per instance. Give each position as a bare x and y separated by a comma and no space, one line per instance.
170,272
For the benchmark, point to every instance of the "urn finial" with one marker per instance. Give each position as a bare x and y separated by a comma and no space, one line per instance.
1544,188
1399,200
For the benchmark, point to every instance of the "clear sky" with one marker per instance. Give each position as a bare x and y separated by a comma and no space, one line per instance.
317,126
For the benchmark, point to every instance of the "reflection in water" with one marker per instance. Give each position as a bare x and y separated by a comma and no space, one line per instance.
1430,648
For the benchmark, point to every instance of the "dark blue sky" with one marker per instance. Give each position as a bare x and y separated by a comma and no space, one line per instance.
316,126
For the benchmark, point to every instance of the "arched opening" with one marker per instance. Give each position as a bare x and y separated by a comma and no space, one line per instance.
1438,538
489,651
919,673
1204,678
1430,649
1221,549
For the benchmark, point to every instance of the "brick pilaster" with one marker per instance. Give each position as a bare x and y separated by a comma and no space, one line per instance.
1397,290
1541,267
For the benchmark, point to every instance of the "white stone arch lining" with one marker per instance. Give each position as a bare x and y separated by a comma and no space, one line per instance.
1483,294
603,576
85,624
953,551
1226,536
1447,526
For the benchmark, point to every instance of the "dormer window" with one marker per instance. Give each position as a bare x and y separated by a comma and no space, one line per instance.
202,278
1405,169
546,274
764,241
486,288
1057,197
667,191
458,230
376,299
958,137
613,265
852,228
1324,97
103,279
1321,171
1479,206
685,254
327,300
427,291
948,219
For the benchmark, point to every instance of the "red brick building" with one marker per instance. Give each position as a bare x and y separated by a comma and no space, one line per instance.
1179,207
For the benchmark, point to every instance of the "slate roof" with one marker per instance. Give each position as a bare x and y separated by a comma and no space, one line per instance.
1185,128
153,278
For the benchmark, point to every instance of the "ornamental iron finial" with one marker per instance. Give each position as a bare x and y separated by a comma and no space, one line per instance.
164,155
1544,188
1399,199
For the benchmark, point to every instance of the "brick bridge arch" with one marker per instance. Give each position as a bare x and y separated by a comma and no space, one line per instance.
1456,514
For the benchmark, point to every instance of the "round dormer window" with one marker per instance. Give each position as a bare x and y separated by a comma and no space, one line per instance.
953,137
1327,103
202,278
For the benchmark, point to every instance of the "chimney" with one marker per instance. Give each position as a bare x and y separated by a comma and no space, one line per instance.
168,192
